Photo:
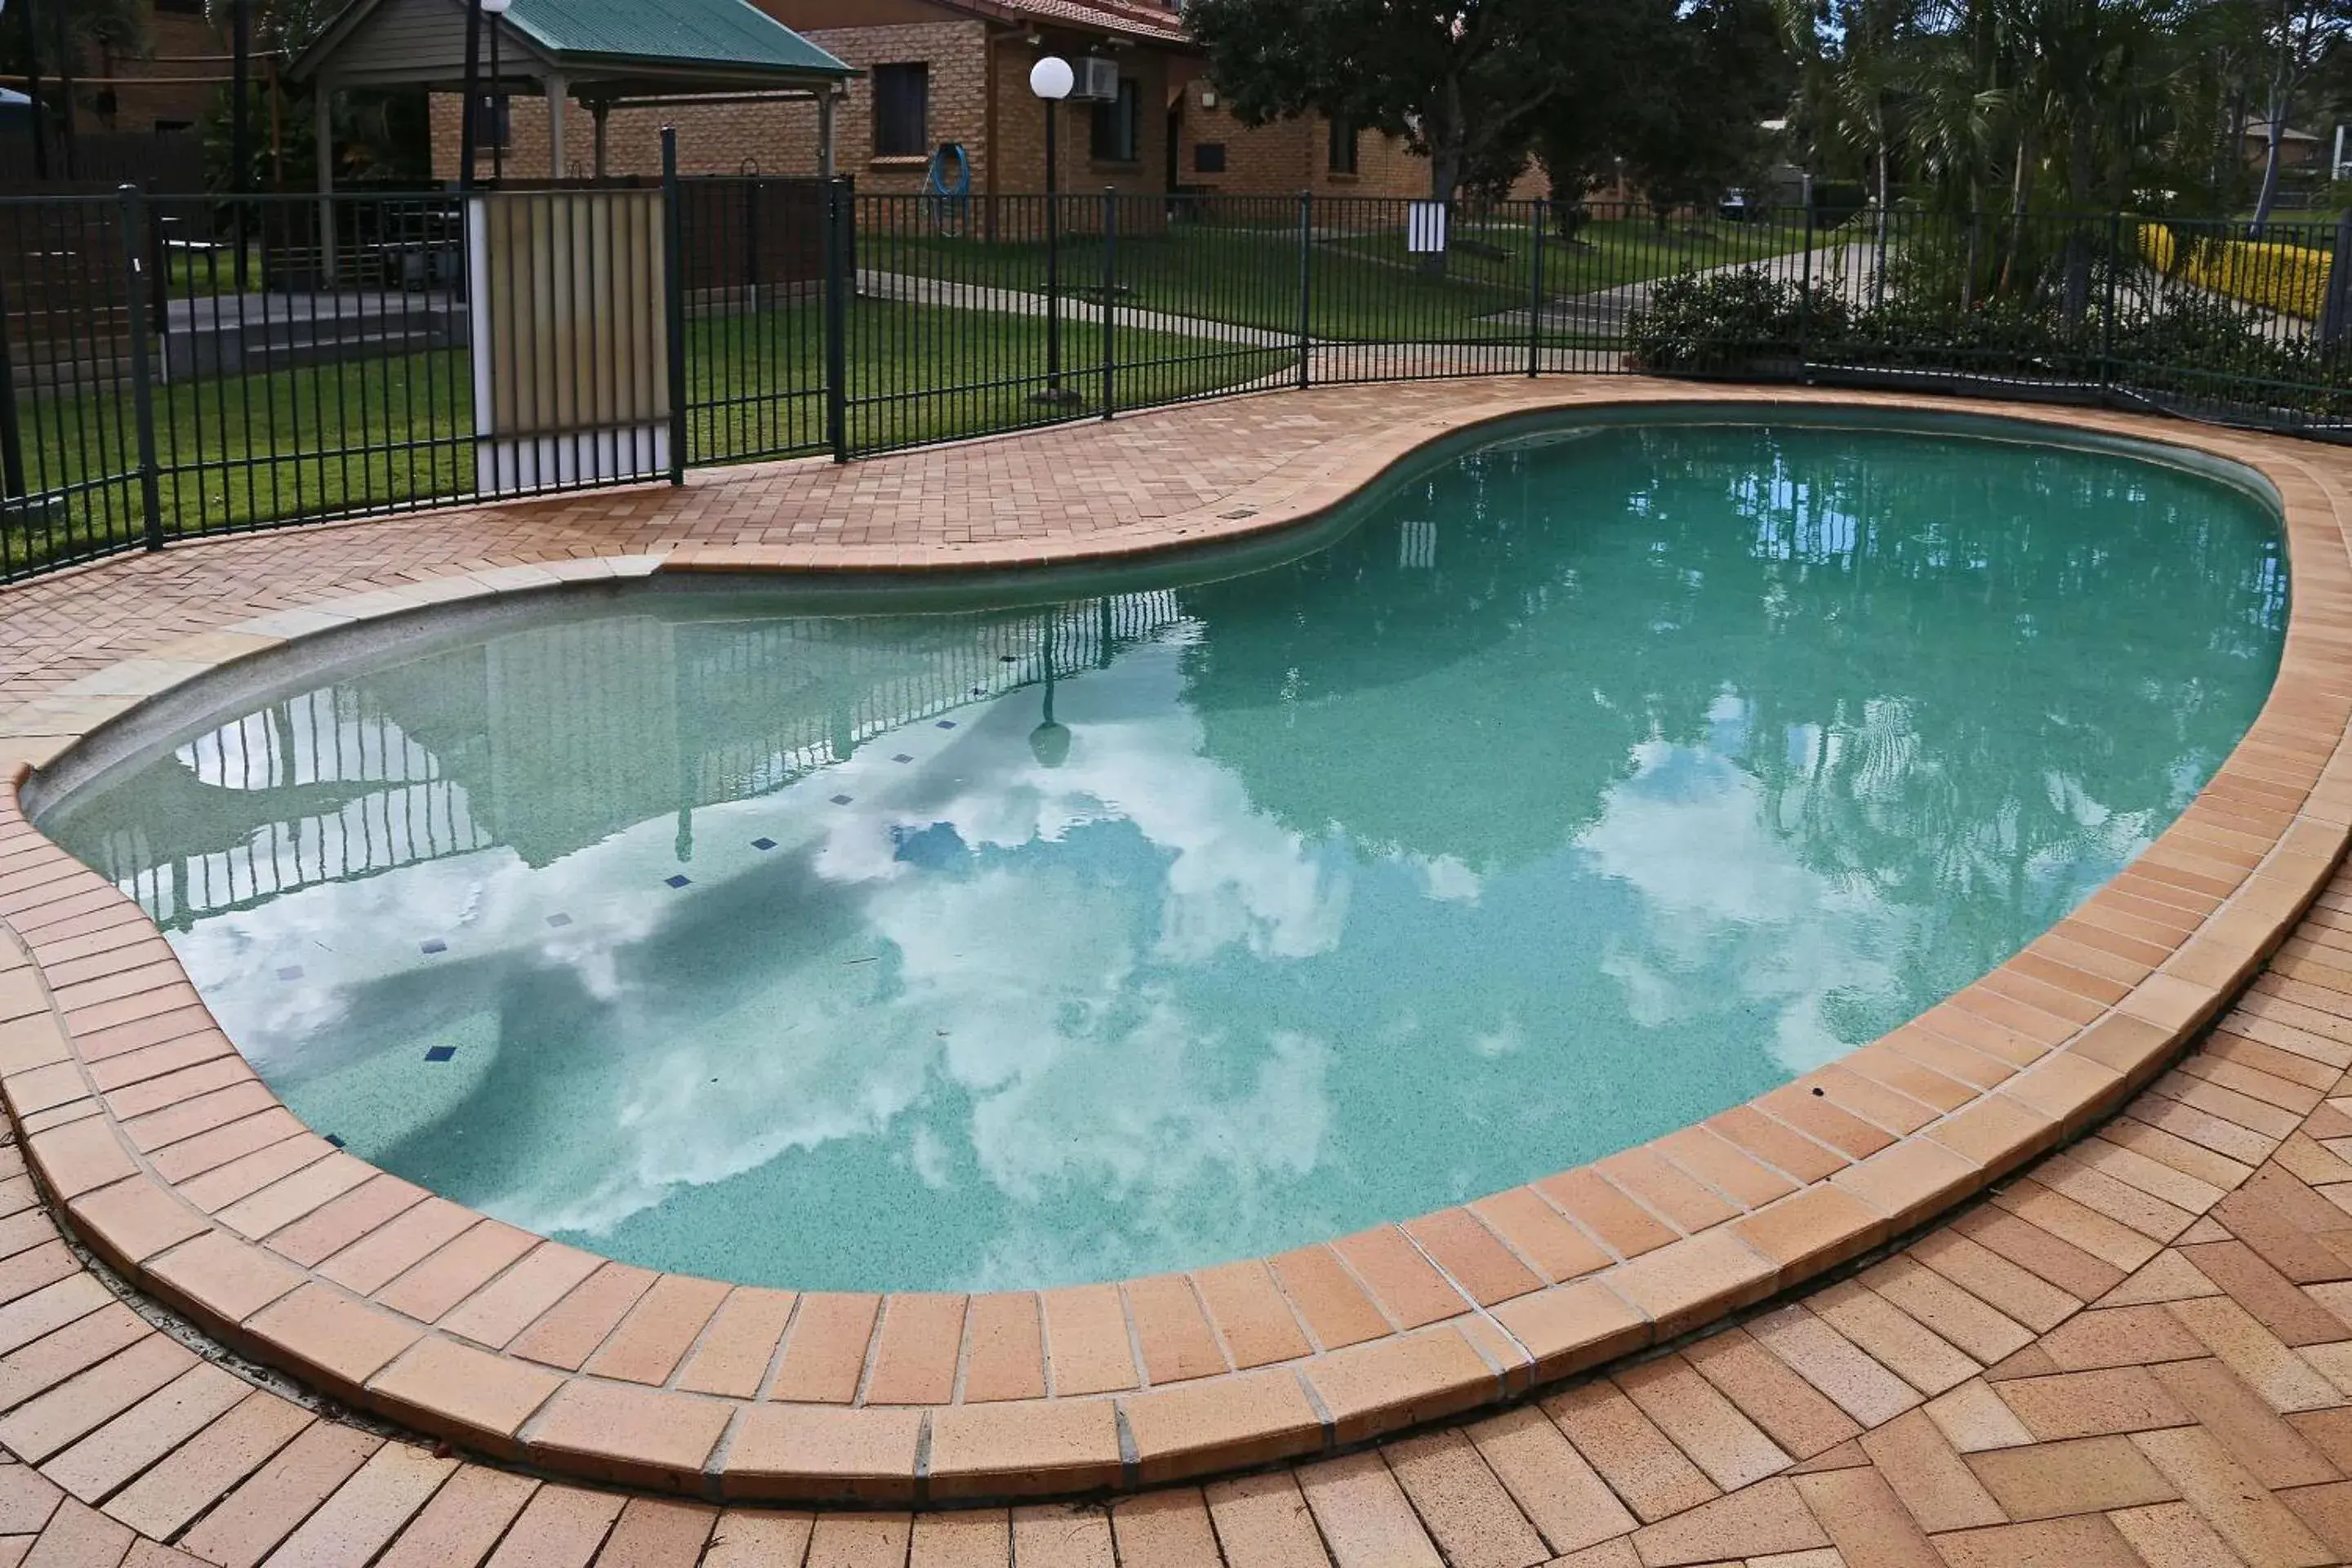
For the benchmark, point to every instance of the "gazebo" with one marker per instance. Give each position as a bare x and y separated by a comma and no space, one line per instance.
605,53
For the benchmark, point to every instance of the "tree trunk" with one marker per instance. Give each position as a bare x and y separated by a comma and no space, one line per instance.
2225,154
2079,151
1975,258
1885,217
2281,104
2020,196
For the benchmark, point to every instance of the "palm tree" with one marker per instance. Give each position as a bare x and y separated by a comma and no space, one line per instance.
1959,112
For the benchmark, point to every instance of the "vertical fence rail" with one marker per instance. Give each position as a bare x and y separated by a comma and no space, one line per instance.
1306,289
674,303
836,285
143,382
1108,303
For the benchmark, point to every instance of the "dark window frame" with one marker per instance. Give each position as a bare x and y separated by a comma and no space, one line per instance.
902,110
1343,151
494,121
1208,157
1117,134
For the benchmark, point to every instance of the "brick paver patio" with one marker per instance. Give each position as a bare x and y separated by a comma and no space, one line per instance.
2137,1350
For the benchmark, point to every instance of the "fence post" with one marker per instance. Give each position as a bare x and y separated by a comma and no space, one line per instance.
673,299
837,216
11,435
2107,308
1536,289
1110,299
143,390
1805,298
1305,287
2335,314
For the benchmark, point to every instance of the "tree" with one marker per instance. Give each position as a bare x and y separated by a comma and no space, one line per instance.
1693,124
1462,80
58,41
1853,56
2297,36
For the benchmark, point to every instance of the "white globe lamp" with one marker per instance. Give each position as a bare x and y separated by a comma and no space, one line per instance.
1051,79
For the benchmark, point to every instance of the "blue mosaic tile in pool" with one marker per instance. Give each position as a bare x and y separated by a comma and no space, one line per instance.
678,881
440,1053
763,844
841,800
559,920
434,946
902,757
291,972
945,724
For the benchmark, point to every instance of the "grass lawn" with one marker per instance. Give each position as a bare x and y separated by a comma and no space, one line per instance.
1607,253
1363,285
358,435
1247,277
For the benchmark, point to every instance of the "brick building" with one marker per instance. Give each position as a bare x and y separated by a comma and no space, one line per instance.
174,87
934,72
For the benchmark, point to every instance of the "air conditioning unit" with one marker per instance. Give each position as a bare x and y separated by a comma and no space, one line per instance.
1098,81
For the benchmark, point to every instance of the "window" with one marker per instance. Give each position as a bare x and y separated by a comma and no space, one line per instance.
1342,159
1208,157
902,111
1118,125
493,121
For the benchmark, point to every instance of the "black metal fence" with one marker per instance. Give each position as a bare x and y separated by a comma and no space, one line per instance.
172,367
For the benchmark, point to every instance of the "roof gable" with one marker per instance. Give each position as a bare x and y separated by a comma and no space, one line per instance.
729,32
422,40
1128,18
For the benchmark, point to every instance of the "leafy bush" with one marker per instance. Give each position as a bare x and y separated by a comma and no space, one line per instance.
2289,278
1694,323
2180,341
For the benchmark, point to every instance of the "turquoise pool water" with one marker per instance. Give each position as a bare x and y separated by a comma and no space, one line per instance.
1574,786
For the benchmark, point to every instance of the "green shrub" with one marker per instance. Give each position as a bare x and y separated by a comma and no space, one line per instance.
1726,321
2186,343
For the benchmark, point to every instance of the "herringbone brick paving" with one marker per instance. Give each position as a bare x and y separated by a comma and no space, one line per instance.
2137,1351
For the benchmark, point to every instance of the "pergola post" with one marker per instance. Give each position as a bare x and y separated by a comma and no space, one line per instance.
824,131
557,91
322,132
598,110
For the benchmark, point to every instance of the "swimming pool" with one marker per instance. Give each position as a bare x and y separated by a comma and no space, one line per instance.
1574,785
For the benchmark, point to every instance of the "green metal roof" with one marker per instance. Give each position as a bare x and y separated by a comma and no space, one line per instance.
648,44
731,34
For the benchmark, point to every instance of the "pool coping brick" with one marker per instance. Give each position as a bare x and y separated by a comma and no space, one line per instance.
1647,1246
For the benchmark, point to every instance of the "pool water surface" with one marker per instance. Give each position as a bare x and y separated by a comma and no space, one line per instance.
1590,781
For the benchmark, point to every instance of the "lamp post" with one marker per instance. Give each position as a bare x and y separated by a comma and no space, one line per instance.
33,91
1052,79
240,135
65,88
495,10
473,95
1049,742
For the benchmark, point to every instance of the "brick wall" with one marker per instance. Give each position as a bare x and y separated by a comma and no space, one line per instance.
139,108
1021,129
769,139
721,139
1289,155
